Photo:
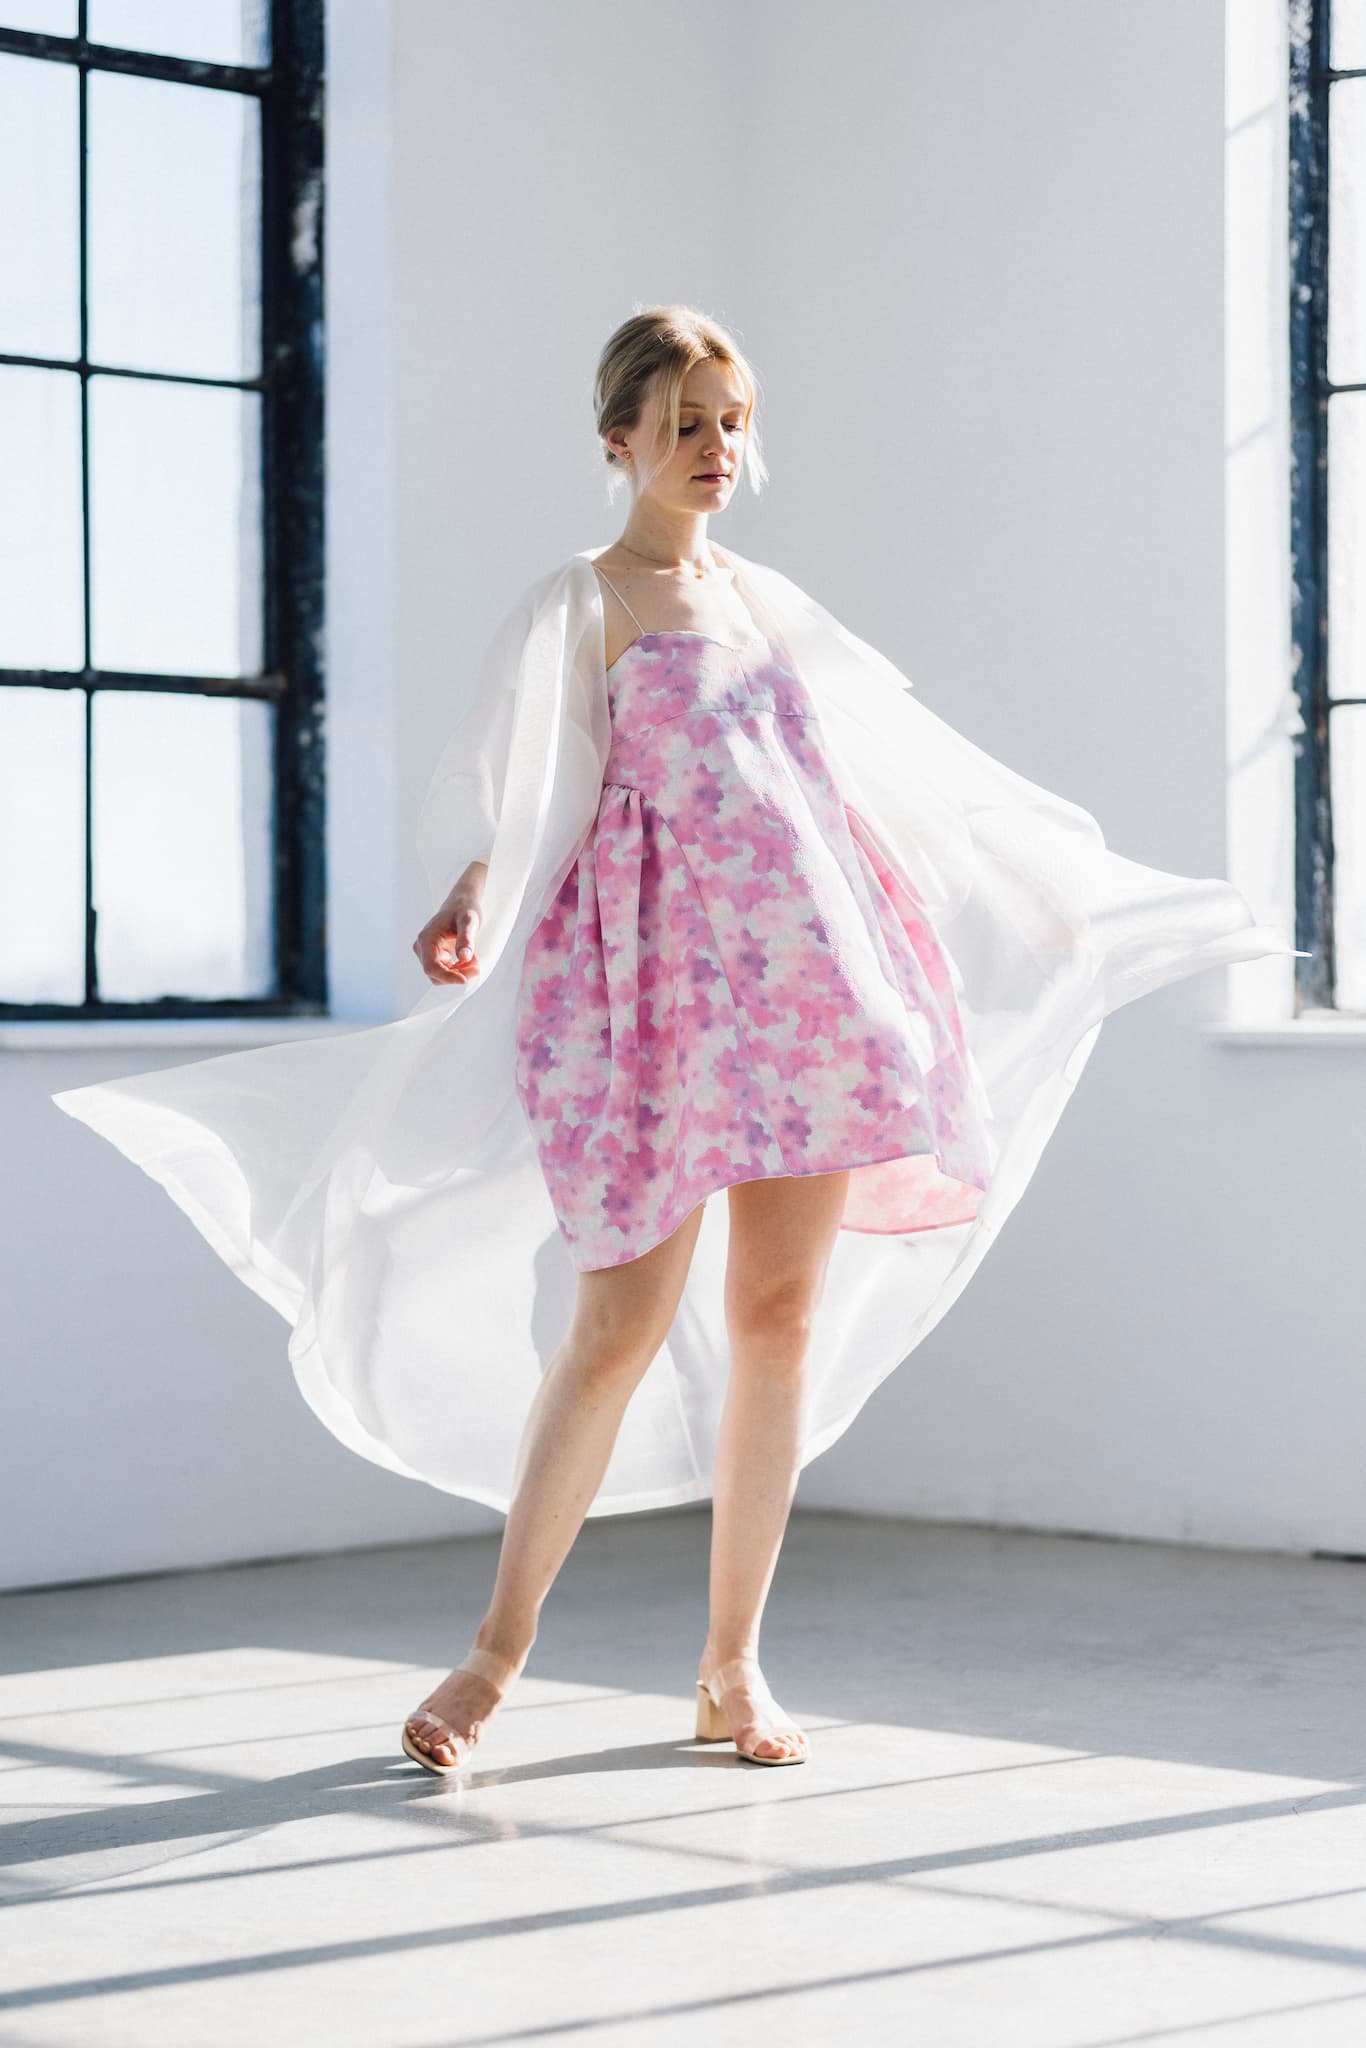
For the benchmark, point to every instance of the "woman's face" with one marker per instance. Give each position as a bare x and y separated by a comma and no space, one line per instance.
702,473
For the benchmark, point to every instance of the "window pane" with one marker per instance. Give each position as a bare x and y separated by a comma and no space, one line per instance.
1347,232
219,31
42,618
42,846
182,845
175,224
1347,731
175,528
1346,544
1349,35
48,17
40,280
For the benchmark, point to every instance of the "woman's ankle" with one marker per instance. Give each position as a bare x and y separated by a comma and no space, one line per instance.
715,1653
508,1640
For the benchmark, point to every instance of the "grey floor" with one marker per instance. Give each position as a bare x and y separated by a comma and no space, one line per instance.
1061,1792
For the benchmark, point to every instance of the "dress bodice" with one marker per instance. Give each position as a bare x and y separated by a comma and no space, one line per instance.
675,674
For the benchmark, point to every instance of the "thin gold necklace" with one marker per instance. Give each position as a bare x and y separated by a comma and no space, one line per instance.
659,560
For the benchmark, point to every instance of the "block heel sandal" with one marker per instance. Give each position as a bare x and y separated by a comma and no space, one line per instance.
712,1725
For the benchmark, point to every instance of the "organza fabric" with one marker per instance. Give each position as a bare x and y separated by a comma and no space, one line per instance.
381,1188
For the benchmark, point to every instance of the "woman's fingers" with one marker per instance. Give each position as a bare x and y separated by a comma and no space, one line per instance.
450,963
448,955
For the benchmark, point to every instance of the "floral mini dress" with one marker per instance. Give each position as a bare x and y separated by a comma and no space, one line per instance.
735,980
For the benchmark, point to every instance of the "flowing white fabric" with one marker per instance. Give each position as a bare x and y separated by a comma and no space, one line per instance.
380,1188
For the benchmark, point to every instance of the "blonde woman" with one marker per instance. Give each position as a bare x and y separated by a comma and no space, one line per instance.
722,909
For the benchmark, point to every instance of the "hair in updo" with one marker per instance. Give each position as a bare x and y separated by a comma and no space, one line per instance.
664,342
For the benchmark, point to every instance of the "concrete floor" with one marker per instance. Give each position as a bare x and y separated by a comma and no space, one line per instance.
1062,1792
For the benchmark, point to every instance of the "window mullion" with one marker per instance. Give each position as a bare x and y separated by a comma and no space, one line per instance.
83,261
1309,400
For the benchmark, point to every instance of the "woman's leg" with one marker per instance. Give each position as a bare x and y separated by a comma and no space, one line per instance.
781,1235
621,1317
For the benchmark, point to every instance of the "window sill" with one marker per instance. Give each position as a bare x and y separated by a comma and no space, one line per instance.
1339,1032
171,1034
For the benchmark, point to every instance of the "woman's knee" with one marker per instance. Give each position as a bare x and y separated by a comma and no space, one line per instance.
774,1314
623,1313
607,1347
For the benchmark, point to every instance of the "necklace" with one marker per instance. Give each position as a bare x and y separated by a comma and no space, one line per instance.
700,574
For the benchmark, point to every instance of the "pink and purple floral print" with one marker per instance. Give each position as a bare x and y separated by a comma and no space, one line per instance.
734,981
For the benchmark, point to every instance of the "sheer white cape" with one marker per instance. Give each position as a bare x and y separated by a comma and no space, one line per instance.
380,1187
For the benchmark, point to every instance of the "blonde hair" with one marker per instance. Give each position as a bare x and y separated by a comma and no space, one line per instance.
664,342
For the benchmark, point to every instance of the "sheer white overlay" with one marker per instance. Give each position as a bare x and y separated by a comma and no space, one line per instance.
380,1187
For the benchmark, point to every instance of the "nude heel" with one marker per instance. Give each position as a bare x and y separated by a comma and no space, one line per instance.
712,1725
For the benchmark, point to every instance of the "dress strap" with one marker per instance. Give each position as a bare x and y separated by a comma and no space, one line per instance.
617,594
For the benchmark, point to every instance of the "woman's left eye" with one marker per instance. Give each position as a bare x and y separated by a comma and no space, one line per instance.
735,427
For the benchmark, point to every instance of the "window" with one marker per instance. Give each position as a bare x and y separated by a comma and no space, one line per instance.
161,398
1327,138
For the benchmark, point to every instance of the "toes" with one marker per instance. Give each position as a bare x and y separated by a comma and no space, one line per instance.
432,1736
772,1745
786,1744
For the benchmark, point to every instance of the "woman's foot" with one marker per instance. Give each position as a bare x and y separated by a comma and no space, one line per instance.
758,1725
448,1724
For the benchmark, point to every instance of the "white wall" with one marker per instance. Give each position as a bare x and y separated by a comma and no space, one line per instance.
1168,1339
977,254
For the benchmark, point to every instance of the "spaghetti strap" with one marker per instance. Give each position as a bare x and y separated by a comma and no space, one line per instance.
616,593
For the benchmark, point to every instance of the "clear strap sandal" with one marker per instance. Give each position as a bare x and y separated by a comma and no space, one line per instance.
499,1671
771,1723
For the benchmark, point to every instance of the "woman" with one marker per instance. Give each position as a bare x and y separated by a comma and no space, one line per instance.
727,909
627,1153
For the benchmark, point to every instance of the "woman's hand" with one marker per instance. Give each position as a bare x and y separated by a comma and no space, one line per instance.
445,945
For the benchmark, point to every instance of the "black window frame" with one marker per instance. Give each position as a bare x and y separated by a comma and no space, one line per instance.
1311,83
290,88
